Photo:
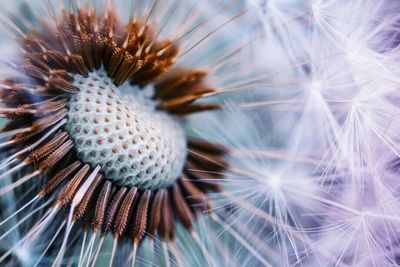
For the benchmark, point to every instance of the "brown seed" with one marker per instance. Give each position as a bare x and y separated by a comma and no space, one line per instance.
123,213
81,208
112,209
141,217
101,205
155,212
69,190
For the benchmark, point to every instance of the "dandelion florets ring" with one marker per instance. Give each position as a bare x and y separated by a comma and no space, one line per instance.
100,115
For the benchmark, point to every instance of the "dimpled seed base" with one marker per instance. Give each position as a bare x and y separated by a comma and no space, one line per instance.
134,144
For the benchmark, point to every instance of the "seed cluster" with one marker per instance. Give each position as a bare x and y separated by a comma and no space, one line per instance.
69,118
134,144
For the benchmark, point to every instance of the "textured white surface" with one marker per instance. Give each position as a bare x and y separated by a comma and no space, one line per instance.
134,144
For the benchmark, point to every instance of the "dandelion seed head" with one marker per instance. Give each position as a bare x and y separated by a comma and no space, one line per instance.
100,116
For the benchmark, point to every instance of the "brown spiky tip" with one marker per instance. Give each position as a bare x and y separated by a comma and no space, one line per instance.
38,109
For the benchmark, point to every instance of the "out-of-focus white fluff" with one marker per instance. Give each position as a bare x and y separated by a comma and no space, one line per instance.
325,186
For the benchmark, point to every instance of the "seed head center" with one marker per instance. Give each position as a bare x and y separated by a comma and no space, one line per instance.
135,144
